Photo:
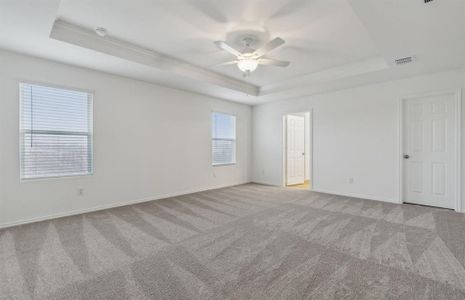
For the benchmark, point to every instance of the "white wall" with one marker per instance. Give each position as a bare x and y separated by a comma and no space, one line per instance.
355,135
149,142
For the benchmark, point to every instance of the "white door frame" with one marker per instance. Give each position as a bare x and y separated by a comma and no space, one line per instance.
458,153
284,146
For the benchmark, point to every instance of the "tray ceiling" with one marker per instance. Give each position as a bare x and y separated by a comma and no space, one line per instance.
328,42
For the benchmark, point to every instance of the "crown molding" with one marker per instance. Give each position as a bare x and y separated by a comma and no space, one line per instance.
358,68
83,37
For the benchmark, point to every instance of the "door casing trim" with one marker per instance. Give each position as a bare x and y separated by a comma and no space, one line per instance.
458,142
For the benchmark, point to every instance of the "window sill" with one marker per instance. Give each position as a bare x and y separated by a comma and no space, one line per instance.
223,165
54,178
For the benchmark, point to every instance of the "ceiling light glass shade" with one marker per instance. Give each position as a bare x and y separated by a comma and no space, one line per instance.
247,65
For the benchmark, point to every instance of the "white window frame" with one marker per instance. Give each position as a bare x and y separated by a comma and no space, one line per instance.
89,134
234,162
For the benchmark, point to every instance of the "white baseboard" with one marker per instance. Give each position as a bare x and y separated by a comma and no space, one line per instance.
263,183
112,205
355,195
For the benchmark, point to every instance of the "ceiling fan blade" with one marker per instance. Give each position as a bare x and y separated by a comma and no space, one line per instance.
227,63
273,44
290,8
208,9
274,62
226,47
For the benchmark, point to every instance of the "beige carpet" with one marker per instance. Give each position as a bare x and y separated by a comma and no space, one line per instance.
244,242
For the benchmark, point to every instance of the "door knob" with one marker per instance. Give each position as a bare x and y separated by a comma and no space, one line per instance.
406,156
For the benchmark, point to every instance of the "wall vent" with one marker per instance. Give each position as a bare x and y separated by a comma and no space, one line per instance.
427,1
404,60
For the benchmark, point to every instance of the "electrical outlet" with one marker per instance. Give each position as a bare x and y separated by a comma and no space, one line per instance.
80,192
351,180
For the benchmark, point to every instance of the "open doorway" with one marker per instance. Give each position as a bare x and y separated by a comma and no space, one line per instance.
297,146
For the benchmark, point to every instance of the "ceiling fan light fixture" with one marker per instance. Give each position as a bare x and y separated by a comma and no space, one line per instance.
249,58
247,65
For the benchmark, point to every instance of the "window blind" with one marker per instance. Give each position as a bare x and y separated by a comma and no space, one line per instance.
56,132
223,139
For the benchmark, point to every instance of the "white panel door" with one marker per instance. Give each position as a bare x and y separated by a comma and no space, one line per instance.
430,166
295,149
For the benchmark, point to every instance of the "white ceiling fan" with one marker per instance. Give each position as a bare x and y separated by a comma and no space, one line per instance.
248,59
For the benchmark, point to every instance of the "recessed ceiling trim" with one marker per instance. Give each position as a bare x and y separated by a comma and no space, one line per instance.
83,37
361,67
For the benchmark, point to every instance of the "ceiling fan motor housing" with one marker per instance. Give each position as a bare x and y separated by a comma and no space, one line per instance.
248,35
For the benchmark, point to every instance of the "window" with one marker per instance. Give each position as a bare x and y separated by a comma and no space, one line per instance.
223,139
56,132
